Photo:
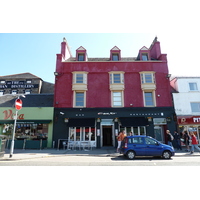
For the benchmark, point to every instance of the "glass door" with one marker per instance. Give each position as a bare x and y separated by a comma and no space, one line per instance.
158,133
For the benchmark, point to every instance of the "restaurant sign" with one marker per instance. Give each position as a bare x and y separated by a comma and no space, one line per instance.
18,84
188,120
8,114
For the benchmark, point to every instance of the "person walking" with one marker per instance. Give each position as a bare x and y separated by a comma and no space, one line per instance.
186,140
120,138
177,140
169,138
194,143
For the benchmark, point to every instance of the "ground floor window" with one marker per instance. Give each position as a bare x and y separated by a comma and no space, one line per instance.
82,134
189,128
27,131
136,130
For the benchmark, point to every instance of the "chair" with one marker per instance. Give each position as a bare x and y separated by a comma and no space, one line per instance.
84,144
77,144
92,144
64,143
70,145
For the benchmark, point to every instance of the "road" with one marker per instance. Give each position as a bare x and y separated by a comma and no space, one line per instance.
65,160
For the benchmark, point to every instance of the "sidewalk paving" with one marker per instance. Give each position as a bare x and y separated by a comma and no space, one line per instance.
20,154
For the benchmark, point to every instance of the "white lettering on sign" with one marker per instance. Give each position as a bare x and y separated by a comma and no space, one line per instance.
196,119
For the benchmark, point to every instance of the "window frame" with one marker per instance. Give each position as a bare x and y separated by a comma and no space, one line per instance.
193,107
194,85
115,55
75,99
112,77
79,73
143,76
146,54
81,55
153,99
121,98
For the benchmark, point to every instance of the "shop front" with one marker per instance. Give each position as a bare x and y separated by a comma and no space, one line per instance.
100,126
189,123
34,127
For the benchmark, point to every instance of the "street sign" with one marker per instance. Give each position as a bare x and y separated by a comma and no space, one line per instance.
18,104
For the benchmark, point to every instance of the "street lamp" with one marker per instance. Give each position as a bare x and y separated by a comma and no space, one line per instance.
18,106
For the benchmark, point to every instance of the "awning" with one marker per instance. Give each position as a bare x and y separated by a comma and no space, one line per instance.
26,121
85,122
133,121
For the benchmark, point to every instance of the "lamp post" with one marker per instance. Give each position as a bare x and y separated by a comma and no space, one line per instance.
18,106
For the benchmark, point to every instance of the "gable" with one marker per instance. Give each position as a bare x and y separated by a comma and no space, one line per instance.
81,48
144,48
115,48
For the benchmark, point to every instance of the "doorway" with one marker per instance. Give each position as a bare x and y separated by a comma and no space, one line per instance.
107,136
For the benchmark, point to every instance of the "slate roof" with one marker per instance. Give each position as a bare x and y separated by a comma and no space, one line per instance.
31,100
26,75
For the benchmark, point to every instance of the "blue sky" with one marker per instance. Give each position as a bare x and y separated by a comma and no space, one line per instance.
36,52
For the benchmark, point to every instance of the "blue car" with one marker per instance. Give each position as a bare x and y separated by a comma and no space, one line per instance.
141,145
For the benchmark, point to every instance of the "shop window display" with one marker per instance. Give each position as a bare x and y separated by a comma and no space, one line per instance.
27,131
82,134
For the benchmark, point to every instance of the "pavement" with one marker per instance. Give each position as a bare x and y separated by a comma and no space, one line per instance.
20,154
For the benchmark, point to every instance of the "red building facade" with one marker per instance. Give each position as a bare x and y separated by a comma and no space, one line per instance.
97,97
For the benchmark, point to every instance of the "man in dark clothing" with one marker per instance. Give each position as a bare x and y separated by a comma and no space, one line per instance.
169,138
177,140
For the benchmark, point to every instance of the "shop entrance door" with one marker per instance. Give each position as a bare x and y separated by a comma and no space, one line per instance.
107,135
158,133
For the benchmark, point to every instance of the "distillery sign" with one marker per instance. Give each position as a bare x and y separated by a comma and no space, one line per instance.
188,120
17,84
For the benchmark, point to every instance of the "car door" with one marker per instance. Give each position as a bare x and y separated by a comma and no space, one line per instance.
139,146
152,147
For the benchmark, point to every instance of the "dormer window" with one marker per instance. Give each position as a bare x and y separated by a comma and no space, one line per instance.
81,54
81,57
115,57
144,54
115,54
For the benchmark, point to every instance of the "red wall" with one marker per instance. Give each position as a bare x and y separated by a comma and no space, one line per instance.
99,95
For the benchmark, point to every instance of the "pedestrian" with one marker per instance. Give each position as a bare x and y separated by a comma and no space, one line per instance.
194,143
177,140
169,138
186,140
131,133
120,138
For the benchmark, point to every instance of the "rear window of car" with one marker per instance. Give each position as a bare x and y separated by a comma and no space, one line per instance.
136,140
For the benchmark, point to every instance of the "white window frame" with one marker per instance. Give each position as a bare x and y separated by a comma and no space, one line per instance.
145,56
84,99
81,54
144,78
28,81
121,97
115,55
112,77
80,73
198,105
153,99
72,132
28,91
194,84
14,92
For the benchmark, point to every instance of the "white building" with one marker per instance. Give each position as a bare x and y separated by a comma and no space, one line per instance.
186,97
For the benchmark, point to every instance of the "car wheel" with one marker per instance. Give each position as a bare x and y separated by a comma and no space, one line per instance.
166,155
130,155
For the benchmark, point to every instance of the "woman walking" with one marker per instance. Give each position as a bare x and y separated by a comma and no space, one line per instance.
194,143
